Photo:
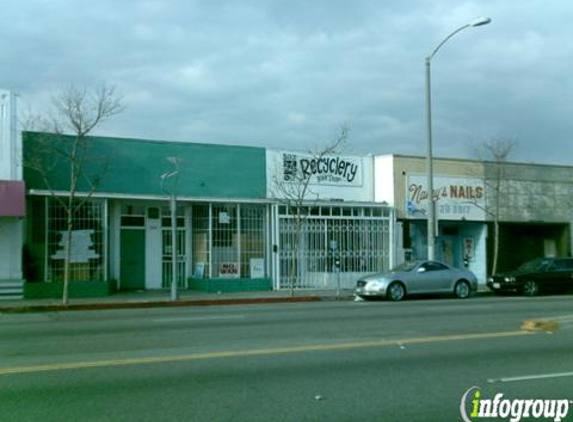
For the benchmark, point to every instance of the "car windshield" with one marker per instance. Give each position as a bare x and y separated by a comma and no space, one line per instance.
405,266
535,265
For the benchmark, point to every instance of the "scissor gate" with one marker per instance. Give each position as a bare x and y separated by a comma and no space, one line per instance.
332,246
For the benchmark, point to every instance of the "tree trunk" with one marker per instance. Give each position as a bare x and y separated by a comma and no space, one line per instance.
293,270
495,246
499,174
69,225
65,292
295,267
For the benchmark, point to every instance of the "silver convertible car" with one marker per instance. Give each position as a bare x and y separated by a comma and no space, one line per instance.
418,277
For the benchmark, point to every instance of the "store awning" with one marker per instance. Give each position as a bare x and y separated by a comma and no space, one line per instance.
12,198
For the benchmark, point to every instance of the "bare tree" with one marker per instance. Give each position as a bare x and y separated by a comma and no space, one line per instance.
494,154
64,141
291,187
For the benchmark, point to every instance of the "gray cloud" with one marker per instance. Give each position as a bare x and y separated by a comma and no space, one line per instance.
273,73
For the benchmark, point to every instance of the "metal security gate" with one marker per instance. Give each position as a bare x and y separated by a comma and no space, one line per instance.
331,246
167,258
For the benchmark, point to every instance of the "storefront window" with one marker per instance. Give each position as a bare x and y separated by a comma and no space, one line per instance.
252,234
229,241
87,262
166,216
225,250
132,216
200,245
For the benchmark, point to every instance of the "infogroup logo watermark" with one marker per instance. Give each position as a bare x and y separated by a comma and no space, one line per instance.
474,407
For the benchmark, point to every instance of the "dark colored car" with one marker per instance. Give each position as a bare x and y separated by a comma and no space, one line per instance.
541,274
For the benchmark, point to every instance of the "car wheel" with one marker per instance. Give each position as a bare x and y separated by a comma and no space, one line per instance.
462,290
396,291
530,288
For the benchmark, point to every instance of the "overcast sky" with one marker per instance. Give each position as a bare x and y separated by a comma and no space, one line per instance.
288,74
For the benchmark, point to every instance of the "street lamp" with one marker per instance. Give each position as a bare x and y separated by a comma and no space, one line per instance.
429,165
174,176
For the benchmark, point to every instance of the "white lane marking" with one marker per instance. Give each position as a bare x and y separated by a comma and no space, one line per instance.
560,318
531,377
198,318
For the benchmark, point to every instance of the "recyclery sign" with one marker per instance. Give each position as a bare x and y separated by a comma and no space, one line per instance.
456,198
322,170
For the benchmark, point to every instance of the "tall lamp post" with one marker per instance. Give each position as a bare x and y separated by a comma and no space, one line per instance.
174,175
429,164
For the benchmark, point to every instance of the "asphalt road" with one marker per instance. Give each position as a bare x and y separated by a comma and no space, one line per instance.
326,361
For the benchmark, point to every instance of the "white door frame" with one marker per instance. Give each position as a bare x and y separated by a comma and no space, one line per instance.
153,245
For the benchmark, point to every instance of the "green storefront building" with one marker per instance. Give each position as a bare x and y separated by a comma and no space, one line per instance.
121,234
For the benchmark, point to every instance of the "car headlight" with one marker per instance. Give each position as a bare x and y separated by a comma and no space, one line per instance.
374,285
490,280
509,279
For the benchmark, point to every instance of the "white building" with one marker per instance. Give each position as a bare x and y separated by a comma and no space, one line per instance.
12,194
327,230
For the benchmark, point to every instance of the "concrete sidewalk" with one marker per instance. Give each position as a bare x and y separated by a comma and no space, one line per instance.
162,298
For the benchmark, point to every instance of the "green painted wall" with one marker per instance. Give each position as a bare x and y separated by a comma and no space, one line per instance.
225,285
81,289
134,166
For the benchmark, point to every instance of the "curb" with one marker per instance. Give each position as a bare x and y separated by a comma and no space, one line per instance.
158,304
142,304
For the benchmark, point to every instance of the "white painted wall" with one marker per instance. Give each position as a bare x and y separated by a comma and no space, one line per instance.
11,240
11,229
153,251
359,188
477,262
384,179
10,138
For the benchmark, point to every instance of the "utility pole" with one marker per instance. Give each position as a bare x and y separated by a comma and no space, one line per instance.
174,176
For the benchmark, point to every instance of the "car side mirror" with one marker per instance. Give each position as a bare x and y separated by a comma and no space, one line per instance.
421,270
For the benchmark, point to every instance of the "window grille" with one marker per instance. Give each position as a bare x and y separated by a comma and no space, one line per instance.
229,240
87,262
225,249
201,244
167,245
252,235
132,216
167,259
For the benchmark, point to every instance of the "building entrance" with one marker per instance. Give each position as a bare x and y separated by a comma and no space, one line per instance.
132,261
332,246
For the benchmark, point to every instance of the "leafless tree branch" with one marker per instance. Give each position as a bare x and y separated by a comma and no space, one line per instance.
64,141
495,154
296,194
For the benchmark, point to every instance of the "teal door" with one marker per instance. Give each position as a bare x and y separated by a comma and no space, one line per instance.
132,261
